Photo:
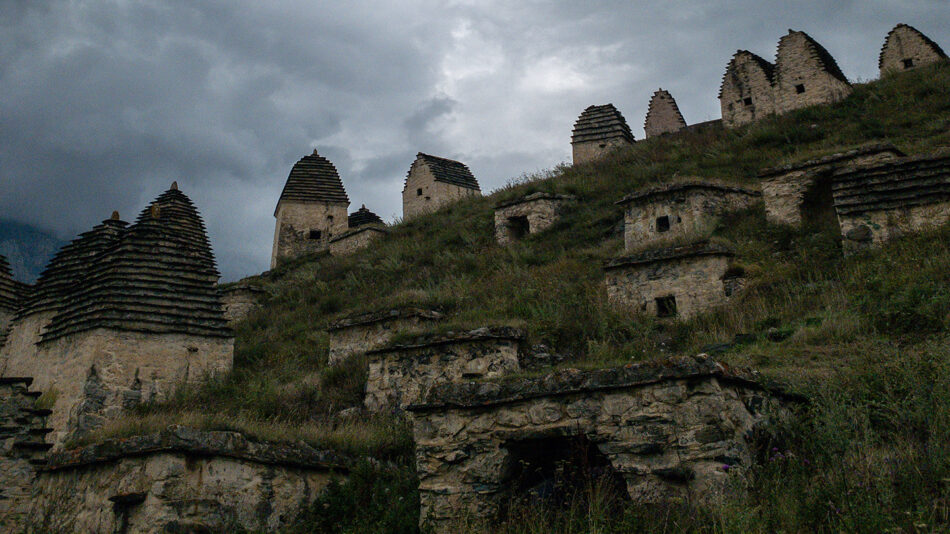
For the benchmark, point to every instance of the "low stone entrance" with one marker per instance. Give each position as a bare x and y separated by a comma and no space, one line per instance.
670,428
528,215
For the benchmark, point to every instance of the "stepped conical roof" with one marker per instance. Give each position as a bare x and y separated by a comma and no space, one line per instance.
825,60
313,179
158,277
9,288
363,216
600,123
449,171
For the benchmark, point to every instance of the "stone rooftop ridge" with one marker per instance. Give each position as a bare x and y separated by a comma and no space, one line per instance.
313,179
927,40
600,123
362,216
449,171
901,183
432,340
701,248
158,276
384,315
535,196
696,183
824,58
863,150
370,227
767,68
11,291
479,394
180,439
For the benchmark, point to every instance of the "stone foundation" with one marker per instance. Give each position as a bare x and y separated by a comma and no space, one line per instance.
180,480
673,282
402,374
359,334
877,203
671,429
528,215
239,300
22,449
356,239
679,209
787,189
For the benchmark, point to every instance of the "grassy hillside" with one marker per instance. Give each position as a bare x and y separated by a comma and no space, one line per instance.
866,336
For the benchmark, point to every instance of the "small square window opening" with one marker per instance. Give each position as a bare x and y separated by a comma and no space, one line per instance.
666,306
800,88
663,224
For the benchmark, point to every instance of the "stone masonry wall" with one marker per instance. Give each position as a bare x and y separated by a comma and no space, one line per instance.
804,75
434,194
672,429
663,115
295,220
402,374
354,240
746,93
594,150
239,301
694,279
906,48
689,209
540,209
21,343
366,332
180,480
22,449
94,375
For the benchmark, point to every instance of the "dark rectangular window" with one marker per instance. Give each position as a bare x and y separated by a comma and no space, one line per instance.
666,306
518,227
663,224
747,100
800,88
908,63
315,234
419,192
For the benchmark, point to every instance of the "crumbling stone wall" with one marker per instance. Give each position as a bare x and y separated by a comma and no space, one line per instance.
180,480
402,374
679,209
806,74
906,48
876,203
663,115
356,239
22,449
239,300
784,188
359,334
92,376
678,281
528,215
672,429
746,92
304,228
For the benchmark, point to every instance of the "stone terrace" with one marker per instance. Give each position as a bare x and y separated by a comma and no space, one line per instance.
363,332
669,429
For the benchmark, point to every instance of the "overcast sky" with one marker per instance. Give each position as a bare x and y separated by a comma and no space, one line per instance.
104,103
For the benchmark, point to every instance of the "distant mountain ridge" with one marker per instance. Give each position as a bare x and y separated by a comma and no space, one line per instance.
27,248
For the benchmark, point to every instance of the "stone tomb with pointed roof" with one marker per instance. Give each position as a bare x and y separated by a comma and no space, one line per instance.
122,315
684,208
530,214
364,227
906,48
433,182
746,91
311,210
598,131
801,193
678,281
883,201
663,115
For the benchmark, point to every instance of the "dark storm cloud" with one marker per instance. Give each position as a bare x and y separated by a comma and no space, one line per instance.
103,104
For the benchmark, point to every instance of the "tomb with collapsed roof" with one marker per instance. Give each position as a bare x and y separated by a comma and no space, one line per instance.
881,201
311,210
745,94
123,314
905,47
801,193
663,115
433,182
598,131
515,219
363,227
680,208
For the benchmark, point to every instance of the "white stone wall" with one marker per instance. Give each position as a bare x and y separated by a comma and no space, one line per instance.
695,281
434,194
295,220
690,211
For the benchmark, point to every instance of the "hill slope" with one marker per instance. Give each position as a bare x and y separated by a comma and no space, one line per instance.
866,336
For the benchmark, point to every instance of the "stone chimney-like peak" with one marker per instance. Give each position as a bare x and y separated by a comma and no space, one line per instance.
315,152
174,186
115,215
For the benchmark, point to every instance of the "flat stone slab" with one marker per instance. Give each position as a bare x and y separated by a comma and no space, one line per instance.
447,338
702,248
686,185
831,159
384,315
536,196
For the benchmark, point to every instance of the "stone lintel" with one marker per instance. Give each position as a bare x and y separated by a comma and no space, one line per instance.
448,338
367,318
697,184
189,441
535,196
702,248
479,394
11,380
831,159
360,229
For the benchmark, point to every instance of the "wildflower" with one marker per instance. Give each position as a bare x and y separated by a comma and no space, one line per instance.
726,467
